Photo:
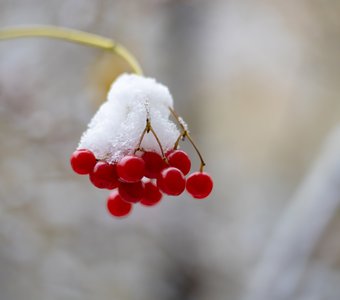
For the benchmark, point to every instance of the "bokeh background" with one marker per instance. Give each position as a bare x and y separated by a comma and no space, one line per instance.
257,81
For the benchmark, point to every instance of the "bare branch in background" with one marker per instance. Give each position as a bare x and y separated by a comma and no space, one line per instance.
278,274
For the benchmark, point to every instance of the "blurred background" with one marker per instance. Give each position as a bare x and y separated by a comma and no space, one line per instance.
257,81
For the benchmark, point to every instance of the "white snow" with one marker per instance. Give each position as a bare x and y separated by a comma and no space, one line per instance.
116,128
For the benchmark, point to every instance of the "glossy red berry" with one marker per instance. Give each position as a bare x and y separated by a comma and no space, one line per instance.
104,175
82,161
199,185
154,164
171,181
152,194
168,152
117,206
180,160
131,192
131,168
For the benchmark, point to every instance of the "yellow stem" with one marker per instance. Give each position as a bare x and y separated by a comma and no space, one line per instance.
74,36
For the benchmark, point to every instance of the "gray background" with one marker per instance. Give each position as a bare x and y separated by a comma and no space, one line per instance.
258,83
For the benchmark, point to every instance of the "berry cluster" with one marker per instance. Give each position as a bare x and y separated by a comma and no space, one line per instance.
142,179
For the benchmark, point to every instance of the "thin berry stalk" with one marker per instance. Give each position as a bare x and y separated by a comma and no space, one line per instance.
186,134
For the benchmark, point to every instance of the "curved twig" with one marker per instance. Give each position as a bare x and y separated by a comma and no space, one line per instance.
74,36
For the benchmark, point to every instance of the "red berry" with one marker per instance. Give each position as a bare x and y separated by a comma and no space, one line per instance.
152,194
82,161
117,206
167,153
154,164
199,185
180,160
171,181
131,192
131,168
104,175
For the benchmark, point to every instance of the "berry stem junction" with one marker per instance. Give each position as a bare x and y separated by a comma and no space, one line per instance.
148,128
185,134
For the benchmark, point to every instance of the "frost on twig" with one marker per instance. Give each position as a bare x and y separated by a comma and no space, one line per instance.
278,274
116,128
183,123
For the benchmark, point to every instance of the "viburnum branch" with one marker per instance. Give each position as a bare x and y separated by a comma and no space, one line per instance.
148,128
185,133
138,148
74,36
116,169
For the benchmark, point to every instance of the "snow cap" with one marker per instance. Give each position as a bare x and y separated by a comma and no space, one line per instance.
116,128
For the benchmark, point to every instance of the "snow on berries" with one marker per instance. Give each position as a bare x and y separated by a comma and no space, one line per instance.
131,148
116,128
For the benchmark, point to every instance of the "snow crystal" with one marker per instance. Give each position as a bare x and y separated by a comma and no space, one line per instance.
116,128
